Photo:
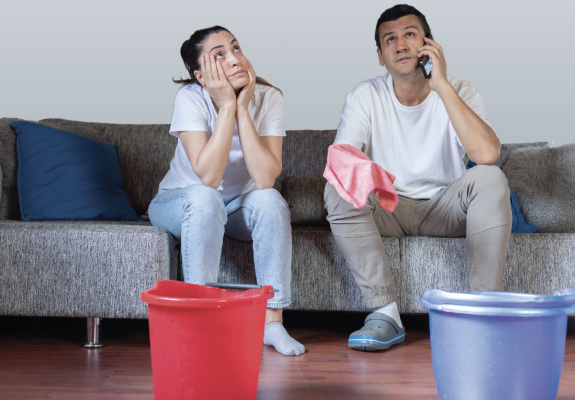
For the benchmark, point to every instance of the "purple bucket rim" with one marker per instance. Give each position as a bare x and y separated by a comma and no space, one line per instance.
501,303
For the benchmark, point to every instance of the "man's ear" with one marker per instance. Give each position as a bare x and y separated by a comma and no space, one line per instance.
198,76
379,56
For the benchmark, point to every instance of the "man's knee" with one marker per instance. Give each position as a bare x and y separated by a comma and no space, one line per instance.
487,175
490,193
332,200
339,209
327,193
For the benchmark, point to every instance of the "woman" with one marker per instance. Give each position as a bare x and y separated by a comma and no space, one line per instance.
229,125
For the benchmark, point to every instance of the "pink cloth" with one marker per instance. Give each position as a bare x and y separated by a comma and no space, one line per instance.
355,176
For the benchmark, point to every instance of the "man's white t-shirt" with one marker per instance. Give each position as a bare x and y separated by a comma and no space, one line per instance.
416,144
194,111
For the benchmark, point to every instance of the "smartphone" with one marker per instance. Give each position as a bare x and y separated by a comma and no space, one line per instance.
425,62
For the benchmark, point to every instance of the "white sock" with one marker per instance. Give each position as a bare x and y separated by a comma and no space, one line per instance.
276,335
391,311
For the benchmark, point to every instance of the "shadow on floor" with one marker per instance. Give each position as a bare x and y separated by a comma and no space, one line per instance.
346,321
67,328
74,329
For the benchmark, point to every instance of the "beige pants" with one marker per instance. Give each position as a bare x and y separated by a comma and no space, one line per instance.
476,206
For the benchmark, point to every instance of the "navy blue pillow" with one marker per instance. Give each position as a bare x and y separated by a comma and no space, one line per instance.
519,225
63,176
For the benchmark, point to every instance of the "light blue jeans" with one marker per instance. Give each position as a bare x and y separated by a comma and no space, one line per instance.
198,217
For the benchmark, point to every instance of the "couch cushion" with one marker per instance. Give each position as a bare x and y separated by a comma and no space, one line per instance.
508,148
430,263
304,154
9,205
81,269
305,199
63,176
540,263
535,263
544,181
145,155
321,279
518,225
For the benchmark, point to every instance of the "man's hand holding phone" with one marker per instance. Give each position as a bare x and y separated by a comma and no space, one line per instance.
435,52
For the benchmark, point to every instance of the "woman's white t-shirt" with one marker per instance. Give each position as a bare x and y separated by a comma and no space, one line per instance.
194,111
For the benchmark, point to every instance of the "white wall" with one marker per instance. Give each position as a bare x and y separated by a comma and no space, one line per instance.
112,61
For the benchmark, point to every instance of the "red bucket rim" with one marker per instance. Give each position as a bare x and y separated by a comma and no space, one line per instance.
253,296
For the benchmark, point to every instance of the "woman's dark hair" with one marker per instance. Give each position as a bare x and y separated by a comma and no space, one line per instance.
398,11
191,51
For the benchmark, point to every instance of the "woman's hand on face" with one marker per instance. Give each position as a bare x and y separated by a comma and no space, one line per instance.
247,91
216,82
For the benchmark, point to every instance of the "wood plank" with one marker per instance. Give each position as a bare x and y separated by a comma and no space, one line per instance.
43,359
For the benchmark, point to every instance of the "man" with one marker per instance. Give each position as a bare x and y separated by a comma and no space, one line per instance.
418,130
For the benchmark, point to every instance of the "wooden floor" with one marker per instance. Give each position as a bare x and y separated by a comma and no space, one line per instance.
40,358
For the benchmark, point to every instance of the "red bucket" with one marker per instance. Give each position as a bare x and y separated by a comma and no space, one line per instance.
206,342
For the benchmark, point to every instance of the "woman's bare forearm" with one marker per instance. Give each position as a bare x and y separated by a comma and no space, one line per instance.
263,165
209,159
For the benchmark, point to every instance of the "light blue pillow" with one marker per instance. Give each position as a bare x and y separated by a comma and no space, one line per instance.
64,176
519,225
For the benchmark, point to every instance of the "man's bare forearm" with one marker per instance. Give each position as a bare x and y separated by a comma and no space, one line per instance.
478,139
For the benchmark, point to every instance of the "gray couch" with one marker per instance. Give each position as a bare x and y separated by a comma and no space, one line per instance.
98,269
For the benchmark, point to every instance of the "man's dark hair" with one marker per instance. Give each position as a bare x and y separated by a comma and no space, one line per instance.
398,11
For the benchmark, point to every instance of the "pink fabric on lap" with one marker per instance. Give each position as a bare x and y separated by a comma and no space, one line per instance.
355,176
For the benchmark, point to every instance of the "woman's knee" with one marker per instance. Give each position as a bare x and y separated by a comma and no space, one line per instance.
271,202
203,200
202,194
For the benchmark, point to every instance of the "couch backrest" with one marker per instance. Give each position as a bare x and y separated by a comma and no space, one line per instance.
507,149
543,180
9,207
305,153
146,152
145,155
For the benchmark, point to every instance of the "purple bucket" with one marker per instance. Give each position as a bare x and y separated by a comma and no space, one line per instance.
498,345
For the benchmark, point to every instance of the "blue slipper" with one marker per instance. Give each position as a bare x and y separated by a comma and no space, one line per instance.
378,333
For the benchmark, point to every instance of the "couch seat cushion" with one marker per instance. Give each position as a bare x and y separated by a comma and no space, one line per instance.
81,269
321,279
536,263
305,200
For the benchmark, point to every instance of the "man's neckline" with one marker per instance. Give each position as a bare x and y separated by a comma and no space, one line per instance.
423,104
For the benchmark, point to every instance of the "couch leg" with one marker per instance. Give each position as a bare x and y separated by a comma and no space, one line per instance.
93,325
